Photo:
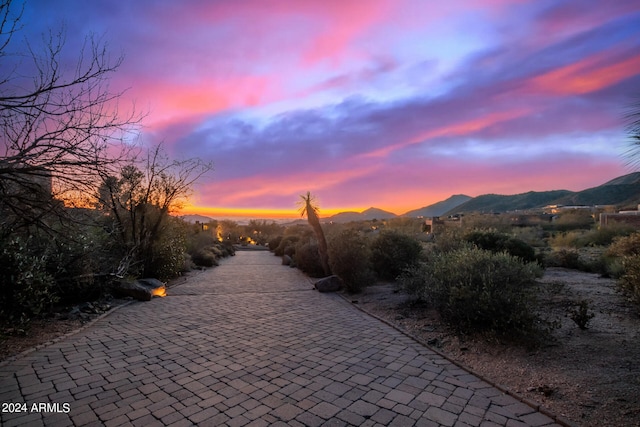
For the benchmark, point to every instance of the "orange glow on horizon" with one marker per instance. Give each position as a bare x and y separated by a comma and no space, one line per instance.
264,213
258,213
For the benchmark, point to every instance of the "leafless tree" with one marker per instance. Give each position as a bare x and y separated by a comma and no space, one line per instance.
60,126
139,201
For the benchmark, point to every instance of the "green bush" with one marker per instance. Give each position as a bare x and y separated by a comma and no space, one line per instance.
565,258
26,287
629,281
204,258
624,263
476,290
349,259
581,314
165,260
274,242
307,259
393,252
450,240
578,219
210,255
602,236
625,246
287,246
495,241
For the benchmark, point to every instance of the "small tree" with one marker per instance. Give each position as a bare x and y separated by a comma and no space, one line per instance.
137,205
309,208
60,127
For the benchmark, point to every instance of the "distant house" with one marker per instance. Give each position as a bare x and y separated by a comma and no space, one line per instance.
622,217
436,225
555,209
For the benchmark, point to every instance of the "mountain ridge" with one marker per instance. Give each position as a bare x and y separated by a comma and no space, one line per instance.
621,191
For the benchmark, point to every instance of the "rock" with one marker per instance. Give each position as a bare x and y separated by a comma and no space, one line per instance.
77,313
141,289
329,284
286,260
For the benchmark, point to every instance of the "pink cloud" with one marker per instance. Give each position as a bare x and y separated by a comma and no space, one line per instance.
587,75
244,192
461,128
342,23
570,17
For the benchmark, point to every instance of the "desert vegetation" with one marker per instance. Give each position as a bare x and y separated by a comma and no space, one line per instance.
479,275
82,202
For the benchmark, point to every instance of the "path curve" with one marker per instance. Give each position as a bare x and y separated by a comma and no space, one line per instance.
249,343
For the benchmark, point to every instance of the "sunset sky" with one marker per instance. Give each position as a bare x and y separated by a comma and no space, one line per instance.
396,104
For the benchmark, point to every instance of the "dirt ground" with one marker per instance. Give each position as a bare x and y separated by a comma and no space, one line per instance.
591,377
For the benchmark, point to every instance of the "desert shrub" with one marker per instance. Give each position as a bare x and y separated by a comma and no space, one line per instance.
602,236
579,219
629,280
166,259
568,239
590,260
520,249
405,225
450,240
392,252
624,263
210,255
287,246
476,290
494,241
349,258
625,246
76,267
226,248
199,240
274,242
533,235
581,315
565,258
204,258
26,287
307,258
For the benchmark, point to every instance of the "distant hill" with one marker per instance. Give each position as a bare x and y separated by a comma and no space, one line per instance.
439,208
196,218
488,203
621,191
369,214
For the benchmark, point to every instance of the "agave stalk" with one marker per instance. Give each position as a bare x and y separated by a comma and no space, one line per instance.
309,208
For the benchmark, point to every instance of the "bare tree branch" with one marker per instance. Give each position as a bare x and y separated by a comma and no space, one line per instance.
61,127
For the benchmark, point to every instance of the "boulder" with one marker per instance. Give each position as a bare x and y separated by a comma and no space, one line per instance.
286,260
142,289
329,284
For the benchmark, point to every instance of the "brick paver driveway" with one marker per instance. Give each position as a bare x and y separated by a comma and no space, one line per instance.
247,343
